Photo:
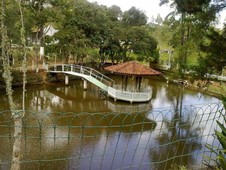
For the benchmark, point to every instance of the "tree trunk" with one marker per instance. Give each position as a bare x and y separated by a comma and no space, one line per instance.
7,75
36,60
181,50
16,155
18,117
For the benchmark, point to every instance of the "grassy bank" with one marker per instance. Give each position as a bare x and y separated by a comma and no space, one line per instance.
32,77
213,88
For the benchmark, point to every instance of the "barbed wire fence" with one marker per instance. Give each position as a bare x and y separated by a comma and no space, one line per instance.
156,139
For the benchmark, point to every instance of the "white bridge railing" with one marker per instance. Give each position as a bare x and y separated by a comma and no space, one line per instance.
84,71
117,94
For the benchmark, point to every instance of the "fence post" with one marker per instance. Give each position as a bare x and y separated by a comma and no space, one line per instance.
62,67
71,67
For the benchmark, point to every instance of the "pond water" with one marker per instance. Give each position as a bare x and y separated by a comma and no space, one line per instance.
99,133
73,98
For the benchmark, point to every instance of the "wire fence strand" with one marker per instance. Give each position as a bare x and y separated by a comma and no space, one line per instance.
157,139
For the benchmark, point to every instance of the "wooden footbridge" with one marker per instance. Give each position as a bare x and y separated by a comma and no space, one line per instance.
103,82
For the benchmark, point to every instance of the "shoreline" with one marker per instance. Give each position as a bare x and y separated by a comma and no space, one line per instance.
212,88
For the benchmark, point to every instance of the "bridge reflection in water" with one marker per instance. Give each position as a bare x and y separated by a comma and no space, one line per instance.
89,101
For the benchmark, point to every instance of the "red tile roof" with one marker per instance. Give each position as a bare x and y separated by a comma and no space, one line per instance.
132,68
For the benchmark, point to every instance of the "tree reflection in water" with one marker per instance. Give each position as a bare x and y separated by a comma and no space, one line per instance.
179,138
85,140
108,141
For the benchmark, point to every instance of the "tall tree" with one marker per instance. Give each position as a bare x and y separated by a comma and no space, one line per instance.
159,19
38,14
7,75
134,17
215,49
195,18
18,120
144,45
11,16
111,49
93,20
71,38
5,47
115,13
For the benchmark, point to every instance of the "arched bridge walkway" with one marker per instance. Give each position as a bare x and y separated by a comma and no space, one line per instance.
103,82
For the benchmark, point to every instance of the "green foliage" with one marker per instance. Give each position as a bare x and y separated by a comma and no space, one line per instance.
202,68
143,44
17,78
134,17
115,13
224,100
11,14
93,55
83,25
191,6
220,160
111,49
215,49
189,30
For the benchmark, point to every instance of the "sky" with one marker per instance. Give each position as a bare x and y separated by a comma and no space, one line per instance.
150,7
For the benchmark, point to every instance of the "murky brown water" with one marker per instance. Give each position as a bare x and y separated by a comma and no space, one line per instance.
98,133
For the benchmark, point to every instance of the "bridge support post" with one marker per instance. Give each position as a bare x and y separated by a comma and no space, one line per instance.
84,85
84,94
66,80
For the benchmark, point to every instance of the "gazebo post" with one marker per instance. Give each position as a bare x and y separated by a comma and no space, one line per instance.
138,83
126,82
122,82
132,68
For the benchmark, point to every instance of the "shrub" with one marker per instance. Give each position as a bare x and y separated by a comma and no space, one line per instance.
220,152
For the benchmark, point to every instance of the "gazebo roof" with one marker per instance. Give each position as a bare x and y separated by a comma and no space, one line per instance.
132,68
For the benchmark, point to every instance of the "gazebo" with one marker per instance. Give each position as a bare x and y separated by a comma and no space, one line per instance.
133,68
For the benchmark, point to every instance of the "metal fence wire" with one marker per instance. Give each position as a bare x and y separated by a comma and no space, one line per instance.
158,139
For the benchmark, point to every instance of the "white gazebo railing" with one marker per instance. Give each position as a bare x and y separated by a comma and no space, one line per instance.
129,95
